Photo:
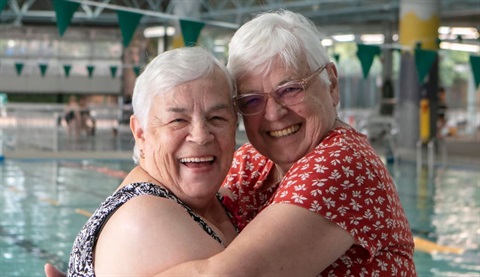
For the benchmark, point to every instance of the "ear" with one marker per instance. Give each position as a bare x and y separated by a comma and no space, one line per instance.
334,89
137,130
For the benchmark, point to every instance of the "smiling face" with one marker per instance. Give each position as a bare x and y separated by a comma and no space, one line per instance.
189,141
285,134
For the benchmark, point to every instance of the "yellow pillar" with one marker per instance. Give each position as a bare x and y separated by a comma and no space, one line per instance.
419,23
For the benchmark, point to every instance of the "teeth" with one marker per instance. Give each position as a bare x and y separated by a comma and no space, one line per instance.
285,132
196,160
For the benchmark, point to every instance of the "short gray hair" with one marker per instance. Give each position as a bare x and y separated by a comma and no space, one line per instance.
284,34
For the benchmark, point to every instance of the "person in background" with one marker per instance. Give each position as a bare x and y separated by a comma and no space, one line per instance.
442,113
167,210
87,121
72,117
314,196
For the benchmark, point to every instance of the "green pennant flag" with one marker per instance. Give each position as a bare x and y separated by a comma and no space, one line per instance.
366,54
190,31
19,67
475,63
43,69
3,4
136,69
90,69
113,71
66,68
424,60
336,57
128,22
64,11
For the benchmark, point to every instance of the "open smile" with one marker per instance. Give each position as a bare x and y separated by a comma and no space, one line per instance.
197,161
285,132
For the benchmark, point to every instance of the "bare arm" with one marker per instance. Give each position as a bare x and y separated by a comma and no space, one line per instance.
150,234
283,240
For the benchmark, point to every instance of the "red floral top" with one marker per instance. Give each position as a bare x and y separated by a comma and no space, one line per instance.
343,180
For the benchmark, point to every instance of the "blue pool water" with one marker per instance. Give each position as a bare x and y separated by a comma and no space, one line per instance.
44,204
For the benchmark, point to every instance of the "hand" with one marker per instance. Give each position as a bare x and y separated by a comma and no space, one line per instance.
51,271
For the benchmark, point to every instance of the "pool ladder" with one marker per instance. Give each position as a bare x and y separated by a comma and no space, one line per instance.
430,155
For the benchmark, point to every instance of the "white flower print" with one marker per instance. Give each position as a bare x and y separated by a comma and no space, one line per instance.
370,174
335,175
330,216
298,198
320,160
355,205
348,159
300,187
320,168
315,192
332,190
368,201
346,184
319,182
328,202
315,206
249,166
378,212
347,171
380,200
304,176
342,210
360,179
368,214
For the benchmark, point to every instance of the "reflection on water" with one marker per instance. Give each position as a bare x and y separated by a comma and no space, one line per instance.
40,200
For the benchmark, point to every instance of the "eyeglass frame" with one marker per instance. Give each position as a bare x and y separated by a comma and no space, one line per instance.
304,82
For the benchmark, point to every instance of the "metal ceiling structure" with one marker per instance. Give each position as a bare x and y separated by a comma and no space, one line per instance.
333,16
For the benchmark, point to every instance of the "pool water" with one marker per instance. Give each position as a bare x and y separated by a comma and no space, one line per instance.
45,202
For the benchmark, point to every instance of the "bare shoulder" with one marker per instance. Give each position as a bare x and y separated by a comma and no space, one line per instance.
146,227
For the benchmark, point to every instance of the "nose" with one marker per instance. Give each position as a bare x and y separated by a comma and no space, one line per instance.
274,110
200,133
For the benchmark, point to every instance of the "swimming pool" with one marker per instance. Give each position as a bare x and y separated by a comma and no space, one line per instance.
45,202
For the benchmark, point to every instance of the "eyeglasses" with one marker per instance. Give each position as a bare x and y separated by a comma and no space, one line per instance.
287,94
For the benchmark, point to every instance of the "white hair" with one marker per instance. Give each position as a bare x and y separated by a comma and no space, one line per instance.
284,34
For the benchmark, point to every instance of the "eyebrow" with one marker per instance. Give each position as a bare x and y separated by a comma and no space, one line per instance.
213,109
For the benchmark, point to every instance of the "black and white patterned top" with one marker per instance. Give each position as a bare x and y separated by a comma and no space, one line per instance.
81,257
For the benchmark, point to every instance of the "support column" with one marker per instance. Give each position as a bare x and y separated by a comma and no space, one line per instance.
419,22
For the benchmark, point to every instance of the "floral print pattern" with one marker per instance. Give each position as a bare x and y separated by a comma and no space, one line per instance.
344,181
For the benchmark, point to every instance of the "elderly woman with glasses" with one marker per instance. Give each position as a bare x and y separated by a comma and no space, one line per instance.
314,196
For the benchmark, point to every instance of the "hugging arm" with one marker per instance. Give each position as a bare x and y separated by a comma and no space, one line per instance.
283,240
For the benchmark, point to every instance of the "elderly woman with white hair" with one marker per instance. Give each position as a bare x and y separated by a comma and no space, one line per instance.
167,209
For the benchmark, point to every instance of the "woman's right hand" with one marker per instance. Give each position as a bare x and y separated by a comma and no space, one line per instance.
52,271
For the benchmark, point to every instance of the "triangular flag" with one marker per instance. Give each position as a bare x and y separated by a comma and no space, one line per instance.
113,71
67,68
366,54
3,4
424,60
475,63
136,69
128,22
43,68
190,31
19,67
64,11
336,57
90,69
